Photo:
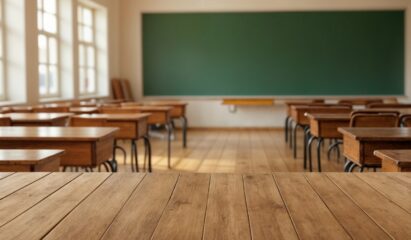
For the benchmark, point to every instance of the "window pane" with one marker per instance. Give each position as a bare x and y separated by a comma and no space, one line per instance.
40,20
1,43
90,57
1,79
80,15
50,6
42,49
82,80
53,51
87,17
53,82
50,23
39,4
43,79
91,83
88,34
81,53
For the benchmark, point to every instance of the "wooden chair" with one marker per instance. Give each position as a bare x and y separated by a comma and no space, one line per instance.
374,120
117,89
365,111
87,122
5,122
405,121
389,105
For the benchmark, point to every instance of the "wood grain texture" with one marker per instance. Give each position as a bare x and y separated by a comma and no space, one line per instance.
227,216
310,215
347,213
40,220
268,214
25,198
94,215
146,204
384,212
17,181
186,209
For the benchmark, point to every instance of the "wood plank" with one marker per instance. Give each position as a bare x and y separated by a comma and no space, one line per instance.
227,216
386,214
39,220
348,214
391,189
17,181
268,215
184,216
146,205
5,174
404,177
94,215
22,200
311,217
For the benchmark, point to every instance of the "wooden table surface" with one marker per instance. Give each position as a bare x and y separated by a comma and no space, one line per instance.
115,117
377,134
25,156
400,157
36,117
77,134
203,206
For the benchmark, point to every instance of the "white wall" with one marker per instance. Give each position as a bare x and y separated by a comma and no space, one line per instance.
130,61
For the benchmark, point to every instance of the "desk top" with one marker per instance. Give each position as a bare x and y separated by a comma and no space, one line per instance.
329,116
27,156
115,117
36,117
167,103
55,133
377,134
146,108
83,109
400,157
204,206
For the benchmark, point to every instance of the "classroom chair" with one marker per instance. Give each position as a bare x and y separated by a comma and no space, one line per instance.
365,111
389,105
405,121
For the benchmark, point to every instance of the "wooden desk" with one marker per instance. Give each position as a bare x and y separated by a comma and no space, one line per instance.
360,144
22,109
204,206
395,160
131,127
178,111
84,147
324,126
159,115
30,160
39,119
84,110
5,110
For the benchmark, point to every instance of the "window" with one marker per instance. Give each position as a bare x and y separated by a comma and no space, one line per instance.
48,46
87,51
2,60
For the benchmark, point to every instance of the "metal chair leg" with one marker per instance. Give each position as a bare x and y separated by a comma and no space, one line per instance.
307,135
169,132
309,156
135,153
291,130
319,144
287,119
147,144
185,126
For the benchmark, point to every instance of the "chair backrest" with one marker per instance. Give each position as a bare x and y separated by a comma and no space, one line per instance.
374,120
388,105
119,110
369,111
87,122
405,121
51,109
117,89
5,121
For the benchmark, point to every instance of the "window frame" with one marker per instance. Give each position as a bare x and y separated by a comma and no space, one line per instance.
3,58
93,44
49,35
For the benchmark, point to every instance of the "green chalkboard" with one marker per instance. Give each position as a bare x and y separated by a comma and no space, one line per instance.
274,53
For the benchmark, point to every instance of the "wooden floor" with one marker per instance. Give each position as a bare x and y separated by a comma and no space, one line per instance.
230,151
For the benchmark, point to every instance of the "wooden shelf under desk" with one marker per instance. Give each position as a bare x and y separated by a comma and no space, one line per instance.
249,102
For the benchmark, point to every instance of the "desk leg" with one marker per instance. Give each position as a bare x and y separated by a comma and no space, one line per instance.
169,131
185,125
307,135
319,144
113,162
134,155
147,145
295,139
291,130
